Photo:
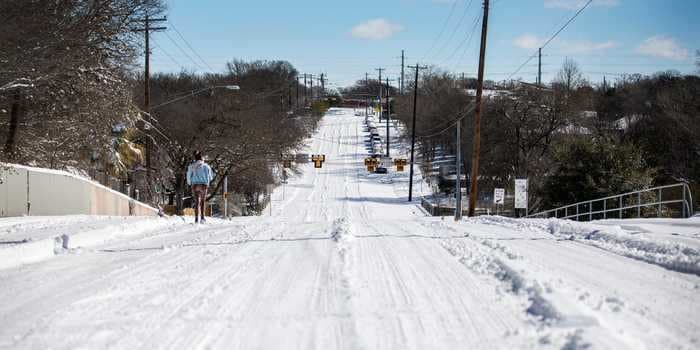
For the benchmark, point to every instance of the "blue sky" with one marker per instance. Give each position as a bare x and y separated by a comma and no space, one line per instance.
345,39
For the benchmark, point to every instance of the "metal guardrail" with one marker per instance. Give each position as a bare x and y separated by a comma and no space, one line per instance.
574,211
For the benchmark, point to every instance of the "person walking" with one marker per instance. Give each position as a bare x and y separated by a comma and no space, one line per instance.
199,175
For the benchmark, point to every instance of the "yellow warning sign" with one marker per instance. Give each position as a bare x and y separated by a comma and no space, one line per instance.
318,160
371,164
400,163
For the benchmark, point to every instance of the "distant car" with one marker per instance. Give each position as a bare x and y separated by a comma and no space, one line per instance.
380,170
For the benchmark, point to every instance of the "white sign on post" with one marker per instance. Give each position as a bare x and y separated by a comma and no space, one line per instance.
521,193
499,196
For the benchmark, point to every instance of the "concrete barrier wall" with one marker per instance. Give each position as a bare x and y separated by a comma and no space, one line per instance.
37,191
13,192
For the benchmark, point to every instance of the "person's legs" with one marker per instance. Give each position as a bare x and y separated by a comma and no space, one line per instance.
203,198
195,197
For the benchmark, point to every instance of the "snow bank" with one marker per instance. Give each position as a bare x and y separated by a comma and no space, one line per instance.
481,259
673,255
38,239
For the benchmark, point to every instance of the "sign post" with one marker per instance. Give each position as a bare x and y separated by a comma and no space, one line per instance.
226,197
499,197
521,194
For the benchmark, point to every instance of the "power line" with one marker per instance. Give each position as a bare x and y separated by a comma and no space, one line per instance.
442,31
190,46
183,51
451,122
551,38
467,41
466,10
176,62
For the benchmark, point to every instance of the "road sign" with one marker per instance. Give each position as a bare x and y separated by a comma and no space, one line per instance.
400,164
318,160
371,164
521,193
499,196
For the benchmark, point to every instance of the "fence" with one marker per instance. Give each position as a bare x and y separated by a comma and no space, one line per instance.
444,207
36,191
644,203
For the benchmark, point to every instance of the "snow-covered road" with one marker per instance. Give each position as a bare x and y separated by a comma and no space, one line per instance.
343,262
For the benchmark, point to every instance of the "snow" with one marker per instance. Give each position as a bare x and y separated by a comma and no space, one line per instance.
343,261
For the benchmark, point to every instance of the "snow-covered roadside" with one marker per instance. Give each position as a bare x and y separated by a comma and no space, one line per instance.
25,240
663,250
556,322
599,296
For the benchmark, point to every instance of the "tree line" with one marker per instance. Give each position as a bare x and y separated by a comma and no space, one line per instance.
573,139
71,98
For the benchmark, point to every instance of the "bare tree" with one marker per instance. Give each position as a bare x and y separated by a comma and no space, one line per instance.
64,77
244,134
569,77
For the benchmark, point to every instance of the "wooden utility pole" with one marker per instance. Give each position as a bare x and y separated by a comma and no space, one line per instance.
306,98
413,130
311,79
323,84
458,173
380,92
477,114
539,69
297,107
147,95
401,91
388,115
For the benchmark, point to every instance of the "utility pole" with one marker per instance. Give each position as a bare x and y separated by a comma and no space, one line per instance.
539,69
388,115
306,99
413,130
147,94
477,113
366,91
323,84
458,180
225,197
401,90
380,92
464,83
312,87
297,92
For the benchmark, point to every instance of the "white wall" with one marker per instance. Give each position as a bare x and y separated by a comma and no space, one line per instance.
37,191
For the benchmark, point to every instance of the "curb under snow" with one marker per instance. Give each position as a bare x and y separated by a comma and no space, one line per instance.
34,251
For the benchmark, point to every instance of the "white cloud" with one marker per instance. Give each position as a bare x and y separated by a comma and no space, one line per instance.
376,29
528,41
577,4
663,47
532,42
585,47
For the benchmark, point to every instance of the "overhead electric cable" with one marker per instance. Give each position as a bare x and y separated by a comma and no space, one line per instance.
190,46
551,38
442,31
